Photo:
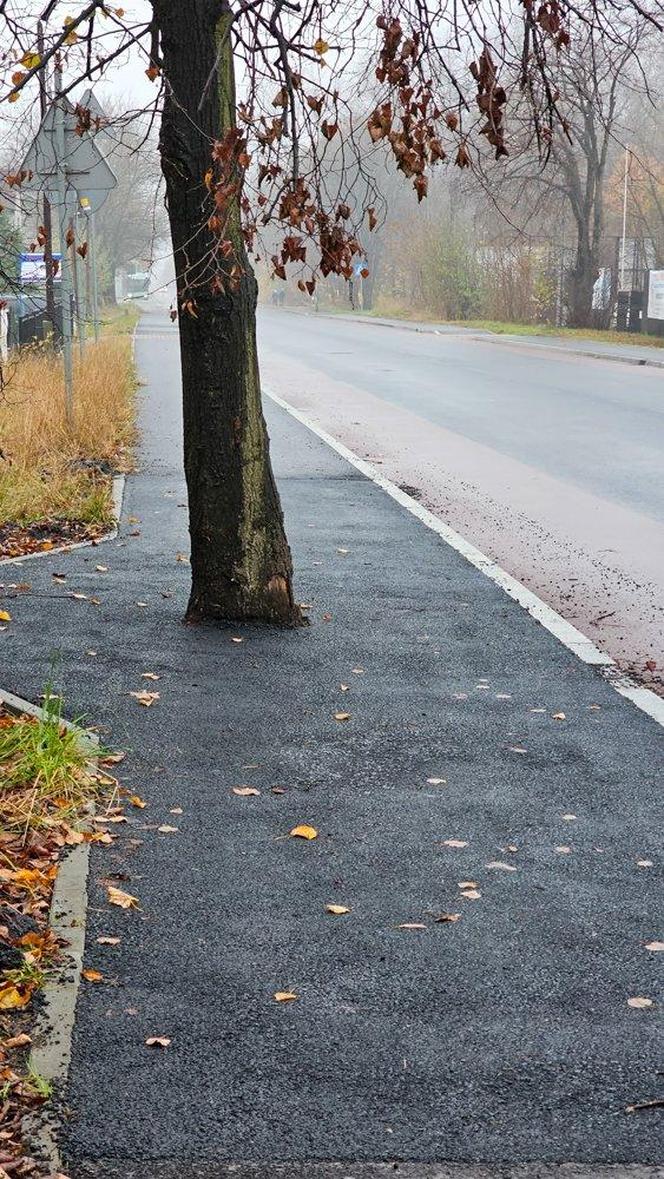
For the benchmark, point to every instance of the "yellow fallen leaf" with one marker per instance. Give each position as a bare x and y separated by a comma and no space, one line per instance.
158,1041
137,801
244,791
639,1001
337,910
342,716
108,941
303,831
455,843
92,975
124,900
11,997
5,616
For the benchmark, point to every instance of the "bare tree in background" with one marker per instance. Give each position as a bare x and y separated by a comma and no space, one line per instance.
278,152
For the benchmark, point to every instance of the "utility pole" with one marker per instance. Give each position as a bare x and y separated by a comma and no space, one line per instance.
48,220
65,282
624,222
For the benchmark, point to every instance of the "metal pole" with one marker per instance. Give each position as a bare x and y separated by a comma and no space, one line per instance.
65,281
75,269
624,223
48,220
92,253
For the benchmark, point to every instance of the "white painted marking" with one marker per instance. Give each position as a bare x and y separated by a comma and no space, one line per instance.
573,639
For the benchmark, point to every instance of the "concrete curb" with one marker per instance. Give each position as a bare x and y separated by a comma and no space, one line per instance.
54,1024
168,1169
572,638
117,495
482,337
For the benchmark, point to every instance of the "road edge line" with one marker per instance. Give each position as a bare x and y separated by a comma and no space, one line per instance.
567,634
50,1053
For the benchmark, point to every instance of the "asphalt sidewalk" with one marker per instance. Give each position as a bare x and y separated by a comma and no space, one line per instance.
502,1037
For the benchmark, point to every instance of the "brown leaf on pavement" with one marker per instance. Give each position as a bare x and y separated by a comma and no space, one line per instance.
337,910
447,918
93,976
150,675
104,940
639,1001
471,894
342,716
499,864
455,842
655,947
137,801
411,925
158,1041
124,900
244,791
145,698
285,996
166,829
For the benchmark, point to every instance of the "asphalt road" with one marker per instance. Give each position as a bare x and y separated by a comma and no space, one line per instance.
549,462
502,1042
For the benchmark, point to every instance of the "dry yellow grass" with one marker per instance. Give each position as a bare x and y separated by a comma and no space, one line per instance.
41,470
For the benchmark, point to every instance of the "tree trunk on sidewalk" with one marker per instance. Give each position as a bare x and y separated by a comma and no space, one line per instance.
240,560
582,281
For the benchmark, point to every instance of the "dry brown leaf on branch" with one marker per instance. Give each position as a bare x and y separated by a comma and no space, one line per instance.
285,996
304,831
337,910
158,1041
639,1001
124,900
245,791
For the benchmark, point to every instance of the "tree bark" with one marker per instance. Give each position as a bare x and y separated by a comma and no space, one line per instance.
240,560
582,281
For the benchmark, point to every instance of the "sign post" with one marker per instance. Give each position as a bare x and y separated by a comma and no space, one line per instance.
65,286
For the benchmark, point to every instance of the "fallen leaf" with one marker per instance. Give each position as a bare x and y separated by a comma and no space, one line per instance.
133,520
285,996
343,551
101,568
112,759
656,947
278,790
166,829
91,653
559,716
337,910
342,716
5,616
79,597
467,884
123,900
455,842
639,1001
563,849
411,925
137,801
19,1041
93,976
150,675
445,918
437,781
158,1041
245,791
145,698
303,831
568,818
358,671
471,894
503,696
517,749
108,941
182,557
143,604
11,997
343,687
500,865
236,639
110,819
644,863
176,810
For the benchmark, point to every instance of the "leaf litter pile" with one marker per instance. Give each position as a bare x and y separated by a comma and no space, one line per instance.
47,788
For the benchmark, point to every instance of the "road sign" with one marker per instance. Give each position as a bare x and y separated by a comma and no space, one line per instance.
656,295
85,169
32,269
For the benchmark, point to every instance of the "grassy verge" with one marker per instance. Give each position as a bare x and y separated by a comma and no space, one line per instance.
47,785
119,318
52,475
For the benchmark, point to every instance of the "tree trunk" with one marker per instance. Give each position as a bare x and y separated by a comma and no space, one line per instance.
582,281
240,560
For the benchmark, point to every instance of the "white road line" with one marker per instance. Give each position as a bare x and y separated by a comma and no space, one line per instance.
569,635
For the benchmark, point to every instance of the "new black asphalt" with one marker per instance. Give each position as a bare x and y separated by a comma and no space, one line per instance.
502,1037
